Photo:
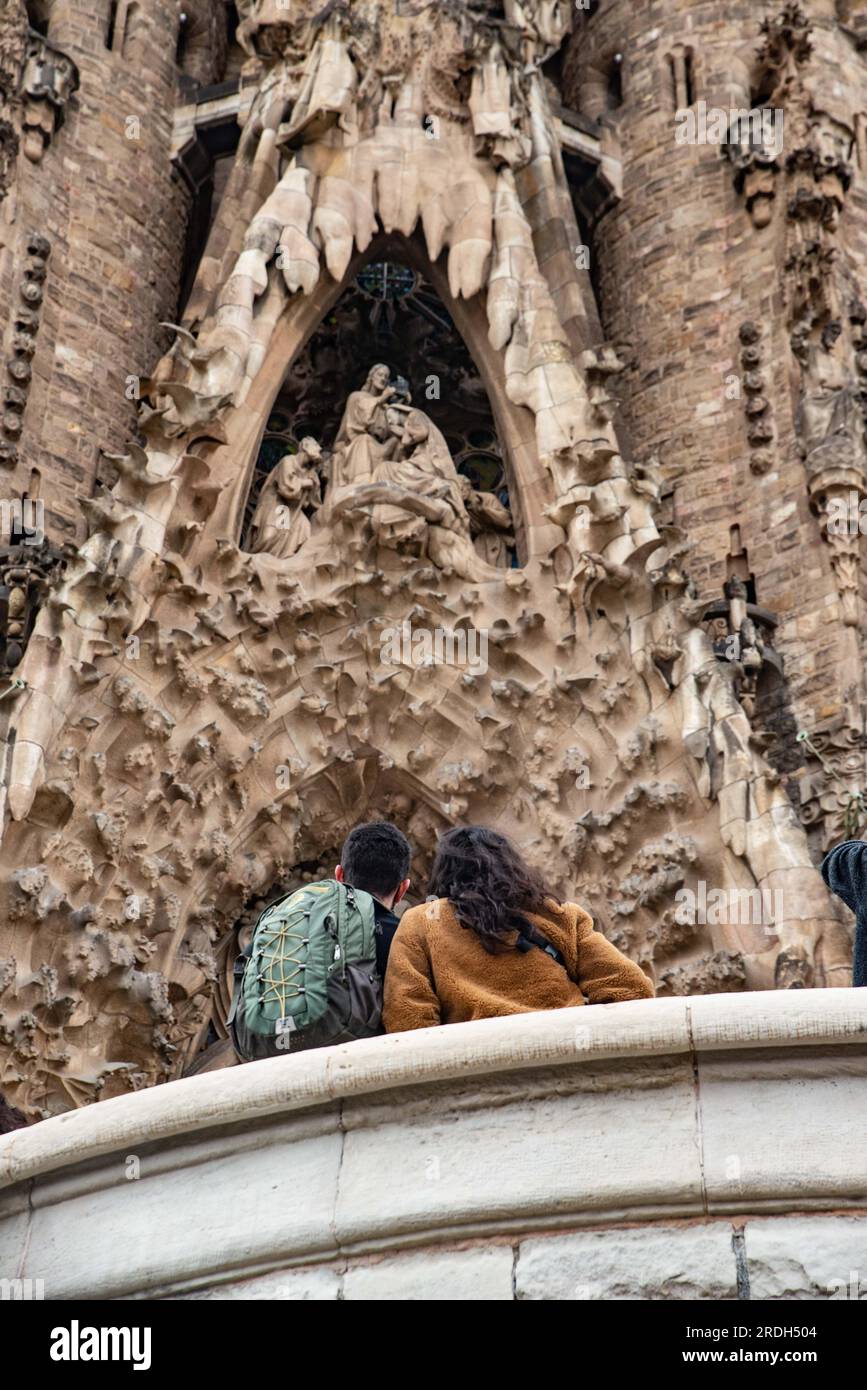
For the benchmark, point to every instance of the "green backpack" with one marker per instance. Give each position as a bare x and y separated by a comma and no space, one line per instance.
309,976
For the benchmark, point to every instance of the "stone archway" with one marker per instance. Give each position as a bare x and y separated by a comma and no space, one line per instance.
232,459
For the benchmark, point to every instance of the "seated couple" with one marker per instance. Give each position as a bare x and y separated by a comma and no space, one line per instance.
491,940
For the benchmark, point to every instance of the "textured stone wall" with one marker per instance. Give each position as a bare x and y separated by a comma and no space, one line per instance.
681,268
104,196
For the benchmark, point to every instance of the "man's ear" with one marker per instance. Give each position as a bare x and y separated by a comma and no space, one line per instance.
400,892
338,874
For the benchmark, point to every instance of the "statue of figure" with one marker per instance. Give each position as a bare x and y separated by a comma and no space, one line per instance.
830,407
365,436
423,468
280,524
414,497
490,524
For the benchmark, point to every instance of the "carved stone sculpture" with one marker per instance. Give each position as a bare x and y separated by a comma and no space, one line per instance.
280,524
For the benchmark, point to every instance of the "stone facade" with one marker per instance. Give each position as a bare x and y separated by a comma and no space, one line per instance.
331,327
699,273
99,192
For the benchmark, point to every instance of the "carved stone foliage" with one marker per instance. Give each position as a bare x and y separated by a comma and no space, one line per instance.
199,722
833,787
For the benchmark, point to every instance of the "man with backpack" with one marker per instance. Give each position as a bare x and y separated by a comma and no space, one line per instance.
312,974
376,858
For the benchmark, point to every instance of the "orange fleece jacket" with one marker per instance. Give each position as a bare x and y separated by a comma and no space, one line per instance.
439,971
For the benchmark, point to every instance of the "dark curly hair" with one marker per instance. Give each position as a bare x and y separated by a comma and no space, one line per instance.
489,884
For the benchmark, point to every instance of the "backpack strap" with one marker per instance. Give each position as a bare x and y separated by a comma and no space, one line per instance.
238,970
530,936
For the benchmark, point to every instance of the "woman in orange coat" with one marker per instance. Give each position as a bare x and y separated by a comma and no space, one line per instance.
497,941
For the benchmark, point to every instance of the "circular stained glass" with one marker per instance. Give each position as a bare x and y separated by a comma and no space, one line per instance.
278,423
385,280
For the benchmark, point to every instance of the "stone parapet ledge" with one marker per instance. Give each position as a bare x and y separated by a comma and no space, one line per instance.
475,1146
644,1028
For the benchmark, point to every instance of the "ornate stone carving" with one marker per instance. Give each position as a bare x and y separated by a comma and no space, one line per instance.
48,81
26,572
742,635
833,787
13,42
23,344
200,720
825,328
281,524
757,408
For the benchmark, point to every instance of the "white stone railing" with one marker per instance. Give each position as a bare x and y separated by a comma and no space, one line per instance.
567,1154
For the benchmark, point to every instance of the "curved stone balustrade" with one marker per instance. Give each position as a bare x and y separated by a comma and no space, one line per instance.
709,1147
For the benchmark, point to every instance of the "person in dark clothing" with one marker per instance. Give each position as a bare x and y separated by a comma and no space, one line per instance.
844,869
10,1118
376,858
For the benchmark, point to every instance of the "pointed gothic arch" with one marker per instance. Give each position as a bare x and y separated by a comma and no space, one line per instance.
528,481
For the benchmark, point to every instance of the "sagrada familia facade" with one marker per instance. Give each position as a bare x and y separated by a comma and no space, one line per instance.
537,327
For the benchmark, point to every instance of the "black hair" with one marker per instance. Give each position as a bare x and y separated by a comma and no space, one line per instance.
488,883
376,857
10,1118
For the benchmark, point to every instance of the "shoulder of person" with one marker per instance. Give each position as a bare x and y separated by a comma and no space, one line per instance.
425,915
570,916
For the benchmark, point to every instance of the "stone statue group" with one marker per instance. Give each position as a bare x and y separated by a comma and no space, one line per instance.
390,469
